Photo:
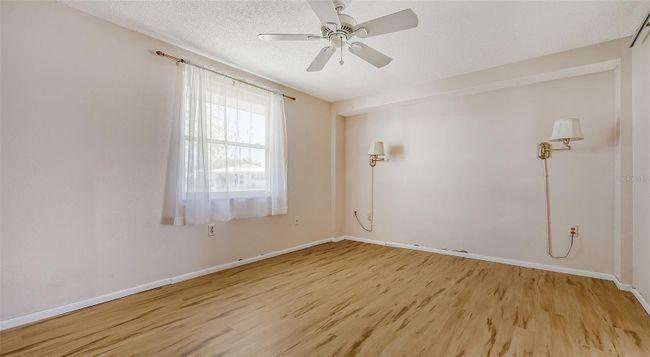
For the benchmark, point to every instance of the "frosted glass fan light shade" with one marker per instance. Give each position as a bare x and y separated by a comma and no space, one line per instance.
567,129
376,148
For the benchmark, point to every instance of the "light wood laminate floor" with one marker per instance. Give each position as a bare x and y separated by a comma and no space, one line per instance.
351,298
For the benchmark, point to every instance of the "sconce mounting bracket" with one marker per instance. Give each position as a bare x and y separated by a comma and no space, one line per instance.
544,150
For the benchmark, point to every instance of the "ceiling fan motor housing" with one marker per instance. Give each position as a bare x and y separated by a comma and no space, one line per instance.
342,34
347,23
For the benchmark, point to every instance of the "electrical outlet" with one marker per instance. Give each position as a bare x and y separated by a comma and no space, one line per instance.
573,231
296,220
211,230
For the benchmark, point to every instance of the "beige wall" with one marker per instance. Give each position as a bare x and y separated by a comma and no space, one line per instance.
611,57
463,172
641,177
86,118
340,175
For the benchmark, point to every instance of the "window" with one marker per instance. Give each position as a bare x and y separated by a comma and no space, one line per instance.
231,146
236,147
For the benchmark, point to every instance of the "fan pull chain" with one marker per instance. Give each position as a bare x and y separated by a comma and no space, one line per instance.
341,61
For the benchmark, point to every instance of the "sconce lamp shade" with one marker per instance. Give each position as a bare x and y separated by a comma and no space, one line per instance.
376,148
564,129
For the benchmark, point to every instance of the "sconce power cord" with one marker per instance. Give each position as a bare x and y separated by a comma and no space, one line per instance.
548,219
372,203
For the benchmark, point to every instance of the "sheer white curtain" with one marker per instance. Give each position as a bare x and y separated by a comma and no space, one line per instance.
231,146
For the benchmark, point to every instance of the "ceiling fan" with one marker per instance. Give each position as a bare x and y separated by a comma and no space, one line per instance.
340,28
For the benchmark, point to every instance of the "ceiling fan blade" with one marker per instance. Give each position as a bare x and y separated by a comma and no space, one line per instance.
325,11
288,37
369,54
321,59
401,20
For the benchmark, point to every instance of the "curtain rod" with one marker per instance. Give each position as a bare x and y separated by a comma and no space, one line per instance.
177,59
645,24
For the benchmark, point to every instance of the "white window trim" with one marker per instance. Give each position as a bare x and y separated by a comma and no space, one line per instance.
229,143
233,194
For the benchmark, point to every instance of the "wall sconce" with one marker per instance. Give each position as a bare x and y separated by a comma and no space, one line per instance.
565,131
376,152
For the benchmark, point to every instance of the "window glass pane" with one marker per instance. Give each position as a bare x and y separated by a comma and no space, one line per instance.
252,101
214,123
245,125
239,124
190,128
216,128
246,169
258,129
194,171
187,160
218,168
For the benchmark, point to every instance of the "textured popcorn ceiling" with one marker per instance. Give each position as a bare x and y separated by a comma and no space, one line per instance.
452,38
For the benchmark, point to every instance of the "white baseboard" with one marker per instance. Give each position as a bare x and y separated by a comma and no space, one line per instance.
521,263
41,315
642,300
620,285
